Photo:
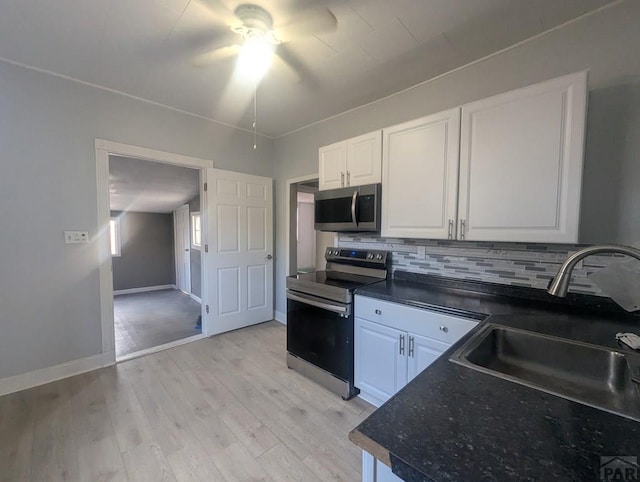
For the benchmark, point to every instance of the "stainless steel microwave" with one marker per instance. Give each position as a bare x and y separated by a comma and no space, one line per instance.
349,209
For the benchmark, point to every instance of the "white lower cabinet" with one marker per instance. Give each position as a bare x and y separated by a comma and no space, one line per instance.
395,342
380,367
423,352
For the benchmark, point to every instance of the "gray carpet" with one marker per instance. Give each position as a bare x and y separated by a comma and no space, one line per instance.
145,320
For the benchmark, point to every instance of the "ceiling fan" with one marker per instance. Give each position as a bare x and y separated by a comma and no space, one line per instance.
251,28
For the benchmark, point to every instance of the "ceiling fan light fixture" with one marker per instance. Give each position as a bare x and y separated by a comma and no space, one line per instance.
255,58
256,22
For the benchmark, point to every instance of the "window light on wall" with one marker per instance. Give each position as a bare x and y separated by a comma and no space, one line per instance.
114,236
196,230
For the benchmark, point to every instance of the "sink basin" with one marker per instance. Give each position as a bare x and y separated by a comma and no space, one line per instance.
588,374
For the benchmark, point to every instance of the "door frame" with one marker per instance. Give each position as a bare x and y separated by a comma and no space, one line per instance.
176,234
103,149
292,205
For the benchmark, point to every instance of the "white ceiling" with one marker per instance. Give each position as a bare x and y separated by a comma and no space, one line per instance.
144,48
150,187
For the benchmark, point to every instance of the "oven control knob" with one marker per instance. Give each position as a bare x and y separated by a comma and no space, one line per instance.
379,256
370,256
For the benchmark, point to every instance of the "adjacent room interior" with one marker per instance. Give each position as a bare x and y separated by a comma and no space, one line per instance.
306,244
155,244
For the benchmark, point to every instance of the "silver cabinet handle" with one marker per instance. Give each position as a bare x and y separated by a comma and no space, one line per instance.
402,344
348,178
450,232
462,225
378,312
444,329
342,179
411,346
354,198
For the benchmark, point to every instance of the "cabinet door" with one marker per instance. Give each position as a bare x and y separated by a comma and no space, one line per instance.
521,159
333,166
420,177
380,367
422,352
364,159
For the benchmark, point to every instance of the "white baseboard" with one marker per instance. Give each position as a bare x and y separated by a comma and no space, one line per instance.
281,317
32,379
144,289
195,298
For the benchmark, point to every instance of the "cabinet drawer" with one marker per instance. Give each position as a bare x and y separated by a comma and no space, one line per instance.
441,327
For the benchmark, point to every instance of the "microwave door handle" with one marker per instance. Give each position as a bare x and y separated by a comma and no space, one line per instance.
354,199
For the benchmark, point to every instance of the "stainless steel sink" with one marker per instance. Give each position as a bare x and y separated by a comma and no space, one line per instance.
588,374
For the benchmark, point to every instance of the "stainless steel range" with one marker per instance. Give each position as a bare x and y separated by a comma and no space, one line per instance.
320,316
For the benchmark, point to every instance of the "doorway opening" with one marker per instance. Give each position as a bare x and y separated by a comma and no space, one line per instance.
155,237
306,245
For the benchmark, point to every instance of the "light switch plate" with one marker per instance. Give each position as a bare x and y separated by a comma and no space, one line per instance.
75,237
422,252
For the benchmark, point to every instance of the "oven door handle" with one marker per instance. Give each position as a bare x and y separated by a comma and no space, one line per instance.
309,300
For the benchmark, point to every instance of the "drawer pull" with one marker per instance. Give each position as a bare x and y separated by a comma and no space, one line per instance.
444,328
378,312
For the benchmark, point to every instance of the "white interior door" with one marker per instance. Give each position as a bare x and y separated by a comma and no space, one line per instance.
183,246
239,280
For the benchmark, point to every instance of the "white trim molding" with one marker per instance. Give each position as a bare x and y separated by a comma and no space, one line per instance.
42,376
290,182
152,154
195,298
280,317
103,149
143,289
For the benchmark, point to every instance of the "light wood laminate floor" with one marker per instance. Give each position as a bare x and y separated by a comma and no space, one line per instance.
153,318
221,409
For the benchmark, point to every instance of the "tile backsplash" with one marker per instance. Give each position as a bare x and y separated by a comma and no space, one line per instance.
520,264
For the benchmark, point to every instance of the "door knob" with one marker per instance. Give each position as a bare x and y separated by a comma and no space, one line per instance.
268,257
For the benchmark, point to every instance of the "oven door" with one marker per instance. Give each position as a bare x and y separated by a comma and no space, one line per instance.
320,332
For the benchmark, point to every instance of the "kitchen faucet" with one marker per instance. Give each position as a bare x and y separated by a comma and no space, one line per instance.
560,283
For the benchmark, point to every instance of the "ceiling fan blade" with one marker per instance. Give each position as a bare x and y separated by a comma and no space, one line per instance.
294,67
307,22
208,58
206,39
220,11
290,71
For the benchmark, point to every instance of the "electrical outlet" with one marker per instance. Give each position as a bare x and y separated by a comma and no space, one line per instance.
422,252
75,237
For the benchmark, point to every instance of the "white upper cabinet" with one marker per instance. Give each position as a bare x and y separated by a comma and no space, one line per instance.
333,165
521,157
353,162
420,177
507,168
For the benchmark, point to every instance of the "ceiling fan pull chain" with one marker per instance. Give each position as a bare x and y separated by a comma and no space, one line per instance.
255,113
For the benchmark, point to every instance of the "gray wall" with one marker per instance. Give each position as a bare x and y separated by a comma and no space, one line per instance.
196,256
147,253
49,291
601,42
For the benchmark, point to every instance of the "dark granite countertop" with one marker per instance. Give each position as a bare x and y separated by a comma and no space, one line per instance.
452,423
